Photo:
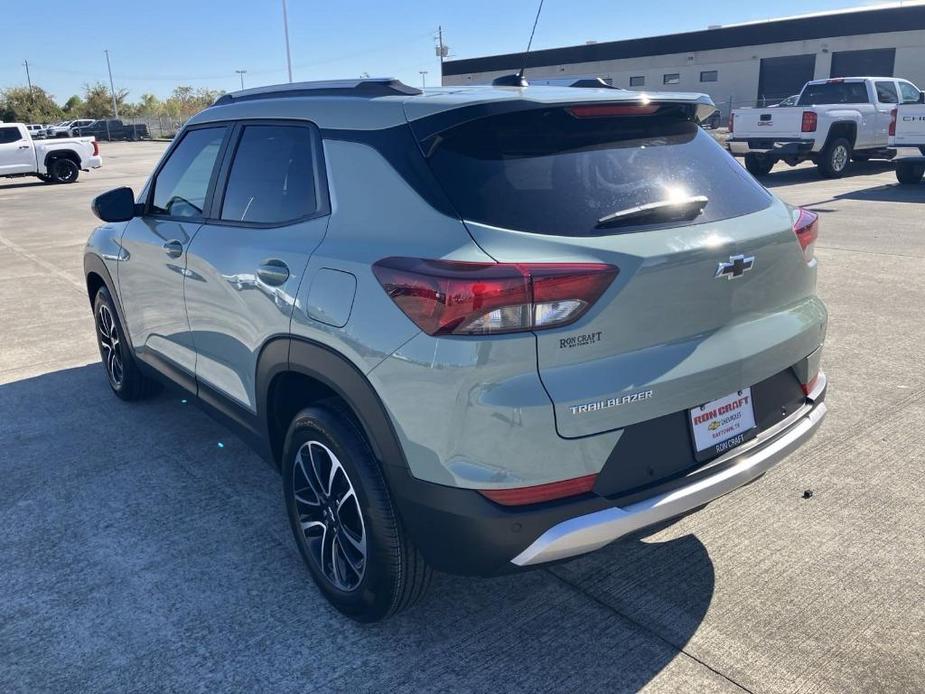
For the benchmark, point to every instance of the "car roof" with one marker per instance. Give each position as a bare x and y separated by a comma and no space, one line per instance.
382,103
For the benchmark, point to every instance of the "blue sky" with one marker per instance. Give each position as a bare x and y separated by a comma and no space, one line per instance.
157,45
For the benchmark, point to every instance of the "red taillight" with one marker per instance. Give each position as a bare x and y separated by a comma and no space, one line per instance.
541,492
605,110
808,387
448,297
893,114
96,148
809,122
806,229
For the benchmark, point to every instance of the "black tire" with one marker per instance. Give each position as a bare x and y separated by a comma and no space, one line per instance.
860,158
909,173
124,377
758,164
63,171
43,178
833,161
393,575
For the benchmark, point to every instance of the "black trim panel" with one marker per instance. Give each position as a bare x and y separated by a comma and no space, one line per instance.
798,29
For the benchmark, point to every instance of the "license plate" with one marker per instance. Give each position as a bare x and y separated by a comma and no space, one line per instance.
722,424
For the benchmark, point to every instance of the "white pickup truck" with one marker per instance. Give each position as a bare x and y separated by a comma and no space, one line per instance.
834,122
53,161
908,131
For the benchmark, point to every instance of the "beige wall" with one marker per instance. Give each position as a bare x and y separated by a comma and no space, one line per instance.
738,68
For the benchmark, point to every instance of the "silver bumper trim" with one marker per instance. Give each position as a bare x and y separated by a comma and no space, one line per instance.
594,530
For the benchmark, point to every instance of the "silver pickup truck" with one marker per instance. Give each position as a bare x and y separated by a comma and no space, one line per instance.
54,161
835,121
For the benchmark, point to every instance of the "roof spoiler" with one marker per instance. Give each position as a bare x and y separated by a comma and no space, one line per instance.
369,88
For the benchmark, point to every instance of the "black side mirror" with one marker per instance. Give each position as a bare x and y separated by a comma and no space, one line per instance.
116,205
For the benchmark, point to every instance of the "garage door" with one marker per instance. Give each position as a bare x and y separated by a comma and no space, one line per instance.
877,62
783,76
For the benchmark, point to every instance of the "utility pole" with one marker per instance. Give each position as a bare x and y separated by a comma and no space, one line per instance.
112,93
423,78
442,50
242,73
31,93
286,30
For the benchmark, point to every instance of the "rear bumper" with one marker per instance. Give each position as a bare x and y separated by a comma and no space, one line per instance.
786,147
460,531
92,163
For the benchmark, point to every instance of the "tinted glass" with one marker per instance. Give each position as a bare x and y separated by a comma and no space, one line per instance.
910,93
886,93
834,93
549,172
8,135
709,76
272,179
673,78
181,186
637,81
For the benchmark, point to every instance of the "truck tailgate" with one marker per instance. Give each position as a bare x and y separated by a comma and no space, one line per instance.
910,126
767,123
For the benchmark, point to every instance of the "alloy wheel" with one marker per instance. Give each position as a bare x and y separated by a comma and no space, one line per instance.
329,515
840,157
111,345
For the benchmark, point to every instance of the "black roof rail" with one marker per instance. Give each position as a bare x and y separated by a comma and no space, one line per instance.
367,88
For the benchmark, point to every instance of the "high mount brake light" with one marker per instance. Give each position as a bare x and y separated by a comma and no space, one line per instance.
810,120
606,110
541,492
806,229
448,297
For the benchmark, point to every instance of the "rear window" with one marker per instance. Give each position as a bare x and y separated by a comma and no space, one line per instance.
834,93
549,172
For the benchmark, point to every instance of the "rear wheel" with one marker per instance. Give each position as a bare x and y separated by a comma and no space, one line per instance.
833,160
909,173
123,374
63,171
343,519
758,164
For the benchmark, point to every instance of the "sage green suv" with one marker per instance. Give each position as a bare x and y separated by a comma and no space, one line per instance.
477,329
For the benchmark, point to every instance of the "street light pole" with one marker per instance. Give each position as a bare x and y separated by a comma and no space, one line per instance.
112,89
423,78
242,73
286,30
31,93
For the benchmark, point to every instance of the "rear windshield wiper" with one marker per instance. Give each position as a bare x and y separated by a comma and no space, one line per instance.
674,209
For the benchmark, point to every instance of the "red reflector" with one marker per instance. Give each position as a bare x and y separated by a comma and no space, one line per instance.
96,148
604,110
446,297
893,114
809,122
541,492
808,387
806,229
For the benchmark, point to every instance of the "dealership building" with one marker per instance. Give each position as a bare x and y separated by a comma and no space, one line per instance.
749,64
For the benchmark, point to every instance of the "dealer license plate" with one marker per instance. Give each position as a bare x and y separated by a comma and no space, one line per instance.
723,424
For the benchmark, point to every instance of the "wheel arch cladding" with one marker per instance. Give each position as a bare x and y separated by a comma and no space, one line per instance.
294,373
845,129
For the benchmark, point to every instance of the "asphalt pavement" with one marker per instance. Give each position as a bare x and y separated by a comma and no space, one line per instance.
144,548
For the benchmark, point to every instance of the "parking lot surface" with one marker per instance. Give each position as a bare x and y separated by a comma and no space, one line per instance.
143,547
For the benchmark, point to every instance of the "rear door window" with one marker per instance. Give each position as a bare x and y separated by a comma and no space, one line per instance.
834,93
8,135
548,171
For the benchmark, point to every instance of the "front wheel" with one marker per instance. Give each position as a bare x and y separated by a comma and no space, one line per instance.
758,164
123,374
833,160
344,521
63,171
909,173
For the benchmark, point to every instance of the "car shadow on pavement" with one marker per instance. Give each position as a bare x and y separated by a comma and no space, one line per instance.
144,547
888,193
810,174
29,184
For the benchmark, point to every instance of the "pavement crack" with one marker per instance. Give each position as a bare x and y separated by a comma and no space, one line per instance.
646,629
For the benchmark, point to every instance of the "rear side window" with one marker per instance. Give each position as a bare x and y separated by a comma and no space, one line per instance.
182,184
834,93
8,135
549,172
886,93
272,178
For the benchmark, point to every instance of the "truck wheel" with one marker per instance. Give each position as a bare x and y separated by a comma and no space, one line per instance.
908,172
758,164
43,178
344,520
64,171
834,159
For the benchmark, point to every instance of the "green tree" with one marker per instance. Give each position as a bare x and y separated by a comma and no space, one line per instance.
19,105
98,100
149,106
73,106
185,102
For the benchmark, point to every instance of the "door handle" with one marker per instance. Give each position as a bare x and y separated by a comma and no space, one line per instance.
173,249
273,272
23,147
